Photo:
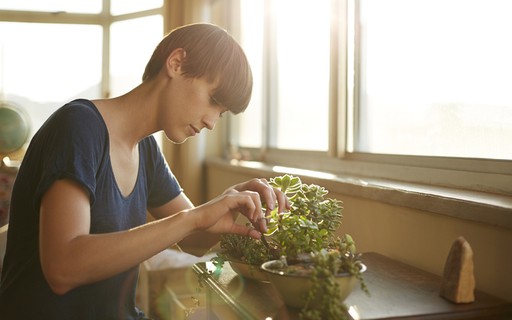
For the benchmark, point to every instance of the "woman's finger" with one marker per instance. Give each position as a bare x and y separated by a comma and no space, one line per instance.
282,200
245,231
266,192
261,223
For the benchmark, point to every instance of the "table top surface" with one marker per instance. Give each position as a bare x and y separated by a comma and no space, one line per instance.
397,290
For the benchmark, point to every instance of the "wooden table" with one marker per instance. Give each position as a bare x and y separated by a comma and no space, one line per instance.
397,291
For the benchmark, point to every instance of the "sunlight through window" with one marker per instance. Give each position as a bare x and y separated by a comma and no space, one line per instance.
436,78
290,57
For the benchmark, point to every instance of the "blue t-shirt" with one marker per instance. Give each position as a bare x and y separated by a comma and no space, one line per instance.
74,144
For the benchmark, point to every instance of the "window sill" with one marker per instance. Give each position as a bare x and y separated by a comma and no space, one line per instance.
491,209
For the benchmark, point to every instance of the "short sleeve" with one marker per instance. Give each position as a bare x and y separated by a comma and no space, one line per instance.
74,141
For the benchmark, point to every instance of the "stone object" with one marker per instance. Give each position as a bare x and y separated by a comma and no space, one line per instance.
458,284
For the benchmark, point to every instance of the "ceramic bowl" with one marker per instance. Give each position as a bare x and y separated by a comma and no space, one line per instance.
292,288
248,271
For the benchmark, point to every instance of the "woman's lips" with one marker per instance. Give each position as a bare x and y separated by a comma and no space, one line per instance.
194,130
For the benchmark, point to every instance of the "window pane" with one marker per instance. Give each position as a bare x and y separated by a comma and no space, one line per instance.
75,6
249,133
436,78
50,66
291,79
131,44
127,6
302,66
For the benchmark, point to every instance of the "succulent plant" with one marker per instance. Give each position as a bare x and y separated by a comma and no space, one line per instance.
305,239
309,226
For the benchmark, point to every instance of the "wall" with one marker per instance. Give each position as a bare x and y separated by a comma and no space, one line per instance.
418,238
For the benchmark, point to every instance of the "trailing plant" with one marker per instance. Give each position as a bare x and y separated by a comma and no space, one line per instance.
323,301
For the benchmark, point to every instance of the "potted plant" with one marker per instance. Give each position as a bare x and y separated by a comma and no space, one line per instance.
302,242
309,226
318,283
245,255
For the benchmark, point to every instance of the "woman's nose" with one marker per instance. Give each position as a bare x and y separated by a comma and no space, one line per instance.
210,123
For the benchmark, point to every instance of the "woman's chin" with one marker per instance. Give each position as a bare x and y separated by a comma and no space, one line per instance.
177,139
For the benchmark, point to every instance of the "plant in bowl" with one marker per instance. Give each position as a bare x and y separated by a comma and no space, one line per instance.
302,239
318,283
245,255
309,225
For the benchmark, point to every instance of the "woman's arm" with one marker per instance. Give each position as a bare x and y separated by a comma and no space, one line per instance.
71,257
200,242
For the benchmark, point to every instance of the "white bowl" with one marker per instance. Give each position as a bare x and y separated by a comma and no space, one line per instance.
293,288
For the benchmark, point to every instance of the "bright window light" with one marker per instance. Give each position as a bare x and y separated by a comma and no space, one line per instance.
436,78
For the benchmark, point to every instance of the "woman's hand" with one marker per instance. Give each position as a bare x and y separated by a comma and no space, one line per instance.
219,215
268,195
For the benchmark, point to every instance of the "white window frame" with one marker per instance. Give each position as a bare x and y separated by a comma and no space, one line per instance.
103,19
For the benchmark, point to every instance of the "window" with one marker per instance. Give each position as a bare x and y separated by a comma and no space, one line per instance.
47,59
440,74
132,43
37,69
90,6
118,7
407,90
289,54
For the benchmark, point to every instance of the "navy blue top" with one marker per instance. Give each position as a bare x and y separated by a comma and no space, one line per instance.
74,144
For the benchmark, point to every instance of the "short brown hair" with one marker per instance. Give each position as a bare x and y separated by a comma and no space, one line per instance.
211,53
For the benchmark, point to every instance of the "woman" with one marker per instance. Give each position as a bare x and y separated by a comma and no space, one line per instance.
78,229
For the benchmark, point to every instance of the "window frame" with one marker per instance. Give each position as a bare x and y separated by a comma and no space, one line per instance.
479,175
103,19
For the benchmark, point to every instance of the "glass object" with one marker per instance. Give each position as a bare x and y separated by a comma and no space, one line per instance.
290,102
250,128
435,78
14,128
302,72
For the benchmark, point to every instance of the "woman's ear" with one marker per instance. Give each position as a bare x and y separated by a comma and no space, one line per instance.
174,62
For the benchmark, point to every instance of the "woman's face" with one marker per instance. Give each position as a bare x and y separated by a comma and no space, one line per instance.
189,108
